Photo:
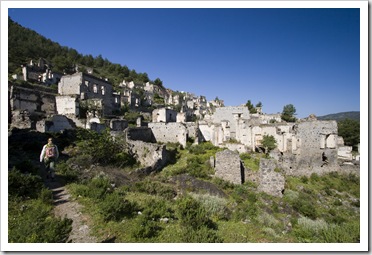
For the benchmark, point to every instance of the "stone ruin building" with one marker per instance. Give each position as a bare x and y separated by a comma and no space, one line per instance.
83,100
40,72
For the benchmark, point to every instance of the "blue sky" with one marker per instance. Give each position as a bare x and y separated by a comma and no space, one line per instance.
306,57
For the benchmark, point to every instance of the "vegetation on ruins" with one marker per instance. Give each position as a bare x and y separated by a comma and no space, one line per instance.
288,113
250,106
178,204
269,143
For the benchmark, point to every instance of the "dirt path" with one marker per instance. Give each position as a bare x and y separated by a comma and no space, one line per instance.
66,207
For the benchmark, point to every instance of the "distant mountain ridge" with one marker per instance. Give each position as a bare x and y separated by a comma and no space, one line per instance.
354,115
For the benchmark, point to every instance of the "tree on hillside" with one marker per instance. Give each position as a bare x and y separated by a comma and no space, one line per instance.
288,113
350,130
269,143
158,82
259,104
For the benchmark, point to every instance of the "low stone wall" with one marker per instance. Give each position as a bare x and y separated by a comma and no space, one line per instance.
271,181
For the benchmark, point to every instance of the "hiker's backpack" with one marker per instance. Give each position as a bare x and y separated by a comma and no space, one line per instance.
50,151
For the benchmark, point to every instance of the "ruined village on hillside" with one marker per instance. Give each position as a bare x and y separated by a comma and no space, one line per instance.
86,101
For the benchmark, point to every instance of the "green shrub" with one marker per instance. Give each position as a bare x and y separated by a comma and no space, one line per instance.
144,227
216,207
304,179
202,148
306,206
155,188
20,184
267,220
345,233
250,161
82,161
308,230
46,195
156,209
222,184
200,235
337,202
68,173
115,207
32,222
245,211
97,188
191,213
241,193
102,148
198,167
314,178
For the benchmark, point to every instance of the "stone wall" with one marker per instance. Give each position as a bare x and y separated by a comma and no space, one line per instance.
87,87
271,180
227,114
33,99
70,84
169,132
21,119
118,124
236,147
316,151
140,134
149,154
67,105
206,132
164,115
192,130
229,167
344,152
57,123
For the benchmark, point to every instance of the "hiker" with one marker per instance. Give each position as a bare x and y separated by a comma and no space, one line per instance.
49,155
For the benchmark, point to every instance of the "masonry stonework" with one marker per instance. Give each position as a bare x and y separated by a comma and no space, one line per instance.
149,154
229,167
169,132
271,180
57,123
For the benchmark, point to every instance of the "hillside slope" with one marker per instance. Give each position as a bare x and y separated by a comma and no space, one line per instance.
354,115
